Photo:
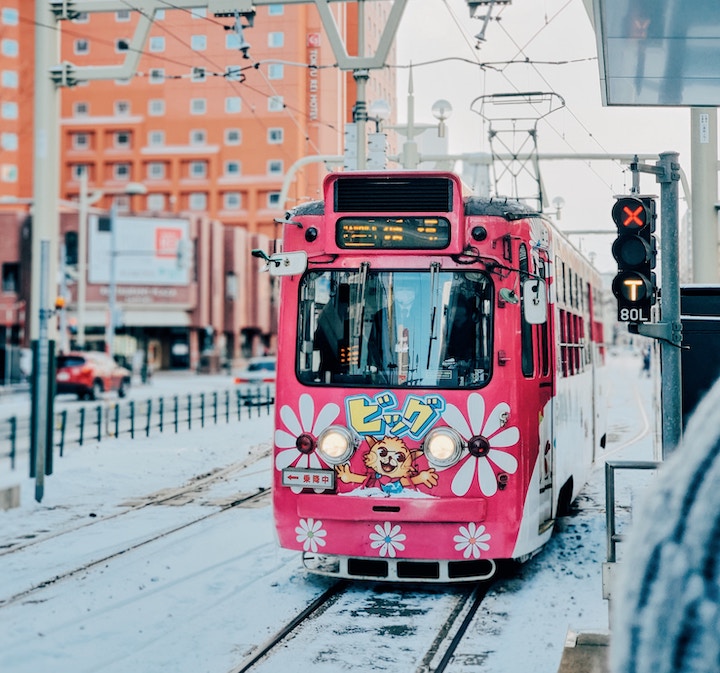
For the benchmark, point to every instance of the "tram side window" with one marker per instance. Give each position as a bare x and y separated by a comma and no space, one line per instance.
564,364
526,329
543,334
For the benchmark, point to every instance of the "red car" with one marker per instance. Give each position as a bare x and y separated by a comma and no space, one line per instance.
89,374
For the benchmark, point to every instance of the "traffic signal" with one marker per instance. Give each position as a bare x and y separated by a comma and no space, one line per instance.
635,252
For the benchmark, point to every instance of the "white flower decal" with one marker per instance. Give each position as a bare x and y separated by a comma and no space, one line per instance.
497,436
307,422
388,539
311,534
471,540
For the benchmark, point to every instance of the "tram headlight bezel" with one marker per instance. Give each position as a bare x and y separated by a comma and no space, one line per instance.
443,447
336,444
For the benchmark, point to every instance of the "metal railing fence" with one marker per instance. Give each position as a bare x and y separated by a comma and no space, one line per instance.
110,419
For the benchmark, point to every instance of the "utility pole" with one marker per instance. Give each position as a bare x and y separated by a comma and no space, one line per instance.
669,329
112,285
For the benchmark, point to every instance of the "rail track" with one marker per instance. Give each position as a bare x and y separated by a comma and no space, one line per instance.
317,618
164,497
191,491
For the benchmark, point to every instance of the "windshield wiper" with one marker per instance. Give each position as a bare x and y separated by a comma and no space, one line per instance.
434,273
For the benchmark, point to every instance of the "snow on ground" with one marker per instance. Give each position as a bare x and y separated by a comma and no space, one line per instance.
201,602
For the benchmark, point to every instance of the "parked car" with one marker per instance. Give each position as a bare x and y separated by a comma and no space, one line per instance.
89,374
259,370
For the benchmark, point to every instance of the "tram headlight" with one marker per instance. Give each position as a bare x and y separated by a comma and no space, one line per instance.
336,444
443,447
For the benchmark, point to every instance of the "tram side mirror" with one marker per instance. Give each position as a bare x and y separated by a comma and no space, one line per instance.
534,301
283,263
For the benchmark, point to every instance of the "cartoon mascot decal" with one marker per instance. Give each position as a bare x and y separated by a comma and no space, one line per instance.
390,467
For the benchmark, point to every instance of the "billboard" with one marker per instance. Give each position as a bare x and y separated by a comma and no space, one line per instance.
146,251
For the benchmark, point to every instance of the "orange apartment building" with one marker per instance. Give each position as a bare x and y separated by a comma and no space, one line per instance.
209,127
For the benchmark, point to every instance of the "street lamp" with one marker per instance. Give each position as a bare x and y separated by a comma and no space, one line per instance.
84,203
130,189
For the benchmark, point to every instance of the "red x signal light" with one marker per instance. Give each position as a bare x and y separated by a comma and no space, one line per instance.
630,213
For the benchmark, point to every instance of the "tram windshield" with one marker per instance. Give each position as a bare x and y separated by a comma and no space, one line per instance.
364,327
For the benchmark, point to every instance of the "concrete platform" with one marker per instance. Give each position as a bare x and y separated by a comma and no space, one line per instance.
585,653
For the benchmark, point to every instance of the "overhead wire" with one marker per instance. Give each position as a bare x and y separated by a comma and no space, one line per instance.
521,50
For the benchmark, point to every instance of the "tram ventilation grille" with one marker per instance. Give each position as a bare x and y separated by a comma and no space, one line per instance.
395,195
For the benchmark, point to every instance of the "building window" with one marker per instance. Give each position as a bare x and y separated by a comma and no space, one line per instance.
81,46
198,13
78,170
198,169
11,277
198,74
233,104
122,139
198,42
9,141
276,39
10,79
156,107
81,109
9,47
122,15
233,136
121,171
276,10
122,108
156,138
9,110
8,173
231,201
273,199
276,71
275,136
156,170
232,41
157,75
10,17
197,201
275,167
198,137
82,17
156,202
71,248
157,44
232,168
198,106
80,141
122,203
233,73
276,104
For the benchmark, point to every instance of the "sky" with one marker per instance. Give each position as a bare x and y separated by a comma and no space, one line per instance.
557,40
202,597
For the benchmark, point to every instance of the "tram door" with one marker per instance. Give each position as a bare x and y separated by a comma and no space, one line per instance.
544,371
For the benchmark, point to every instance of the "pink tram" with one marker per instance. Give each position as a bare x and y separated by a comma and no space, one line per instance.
439,388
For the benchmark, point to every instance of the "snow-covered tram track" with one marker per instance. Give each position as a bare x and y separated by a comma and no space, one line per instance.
125,547
170,496
393,619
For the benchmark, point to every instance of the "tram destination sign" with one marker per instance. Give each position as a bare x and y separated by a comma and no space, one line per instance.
403,233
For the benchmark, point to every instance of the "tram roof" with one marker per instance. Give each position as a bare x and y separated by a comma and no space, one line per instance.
507,208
